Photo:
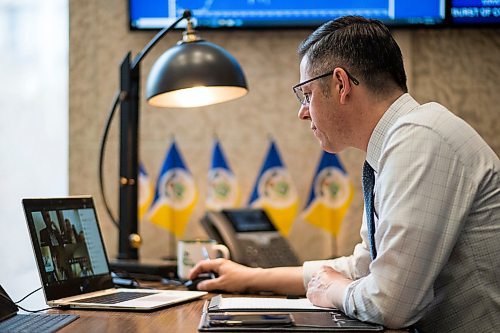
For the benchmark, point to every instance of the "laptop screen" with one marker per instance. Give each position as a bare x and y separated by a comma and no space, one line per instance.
68,245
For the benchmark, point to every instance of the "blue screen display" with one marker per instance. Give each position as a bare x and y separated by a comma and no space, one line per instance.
475,12
154,14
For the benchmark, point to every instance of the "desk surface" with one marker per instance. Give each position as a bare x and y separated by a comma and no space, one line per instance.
183,318
179,318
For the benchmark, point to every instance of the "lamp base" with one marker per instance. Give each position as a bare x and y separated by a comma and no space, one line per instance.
145,269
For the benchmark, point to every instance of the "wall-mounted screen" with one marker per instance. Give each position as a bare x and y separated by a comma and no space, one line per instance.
474,12
213,14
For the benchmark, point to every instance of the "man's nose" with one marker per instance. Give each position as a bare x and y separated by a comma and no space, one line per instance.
304,112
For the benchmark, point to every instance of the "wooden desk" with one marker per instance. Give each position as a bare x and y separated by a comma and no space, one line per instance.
178,318
175,319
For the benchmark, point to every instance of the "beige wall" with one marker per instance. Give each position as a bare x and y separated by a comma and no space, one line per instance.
458,68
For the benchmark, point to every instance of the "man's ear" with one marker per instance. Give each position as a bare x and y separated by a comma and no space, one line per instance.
343,83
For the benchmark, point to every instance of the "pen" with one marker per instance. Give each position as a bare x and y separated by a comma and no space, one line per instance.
206,256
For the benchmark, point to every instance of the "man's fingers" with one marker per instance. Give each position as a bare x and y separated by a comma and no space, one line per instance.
204,266
208,285
312,295
327,269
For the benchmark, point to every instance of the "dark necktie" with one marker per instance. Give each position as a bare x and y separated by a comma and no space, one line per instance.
368,184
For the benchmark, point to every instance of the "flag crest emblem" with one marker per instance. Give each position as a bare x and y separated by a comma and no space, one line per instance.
275,192
331,195
177,188
332,187
175,195
275,186
222,187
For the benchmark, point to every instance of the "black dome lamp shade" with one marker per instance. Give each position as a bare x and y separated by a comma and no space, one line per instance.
194,73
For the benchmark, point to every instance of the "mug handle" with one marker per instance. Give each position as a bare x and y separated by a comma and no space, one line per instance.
223,250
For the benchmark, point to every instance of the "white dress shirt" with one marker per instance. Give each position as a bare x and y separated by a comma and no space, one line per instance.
437,226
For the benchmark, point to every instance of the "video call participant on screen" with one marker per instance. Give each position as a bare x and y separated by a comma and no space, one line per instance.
429,255
50,235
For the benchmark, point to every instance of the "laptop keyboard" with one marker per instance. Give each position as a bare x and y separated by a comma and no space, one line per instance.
115,298
45,323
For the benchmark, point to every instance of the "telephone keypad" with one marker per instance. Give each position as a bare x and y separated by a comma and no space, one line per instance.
276,253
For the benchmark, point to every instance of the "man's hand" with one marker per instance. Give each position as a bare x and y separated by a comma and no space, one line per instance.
327,287
232,277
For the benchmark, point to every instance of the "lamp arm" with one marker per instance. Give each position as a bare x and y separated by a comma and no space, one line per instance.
102,149
159,35
116,100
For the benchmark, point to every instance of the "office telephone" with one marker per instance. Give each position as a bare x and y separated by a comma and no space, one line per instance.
250,236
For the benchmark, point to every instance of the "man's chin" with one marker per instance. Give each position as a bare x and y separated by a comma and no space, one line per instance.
329,148
331,151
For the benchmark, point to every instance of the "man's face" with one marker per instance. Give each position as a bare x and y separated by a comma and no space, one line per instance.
328,120
46,218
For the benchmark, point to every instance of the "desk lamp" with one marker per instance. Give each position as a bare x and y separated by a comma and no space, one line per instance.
193,73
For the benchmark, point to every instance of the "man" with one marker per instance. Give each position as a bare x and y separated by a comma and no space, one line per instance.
50,235
51,242
430,250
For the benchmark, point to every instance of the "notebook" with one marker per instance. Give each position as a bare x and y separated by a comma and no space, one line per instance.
255,314
12,322
72,260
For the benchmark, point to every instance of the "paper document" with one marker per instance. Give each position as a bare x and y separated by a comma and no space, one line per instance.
265,303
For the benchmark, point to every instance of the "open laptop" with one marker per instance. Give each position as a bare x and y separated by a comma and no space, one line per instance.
72,260
10,321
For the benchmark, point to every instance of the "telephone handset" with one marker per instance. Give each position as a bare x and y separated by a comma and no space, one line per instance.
250,236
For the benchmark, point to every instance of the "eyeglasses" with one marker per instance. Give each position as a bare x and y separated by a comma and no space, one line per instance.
305,98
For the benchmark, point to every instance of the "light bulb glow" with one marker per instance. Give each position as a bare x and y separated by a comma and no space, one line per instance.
197,96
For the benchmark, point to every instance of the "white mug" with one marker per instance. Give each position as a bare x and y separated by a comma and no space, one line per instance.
190,252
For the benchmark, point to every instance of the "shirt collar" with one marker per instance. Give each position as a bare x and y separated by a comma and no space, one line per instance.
403,105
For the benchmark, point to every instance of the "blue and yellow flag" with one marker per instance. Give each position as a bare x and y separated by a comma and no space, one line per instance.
146,192
331,195
175,194
222,188
275,193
